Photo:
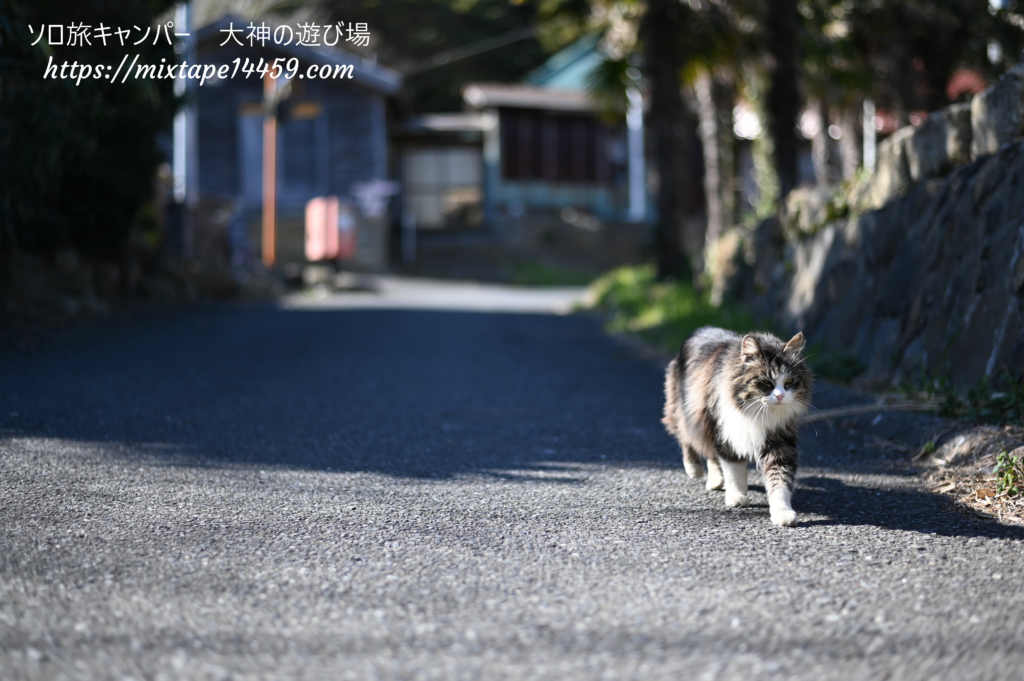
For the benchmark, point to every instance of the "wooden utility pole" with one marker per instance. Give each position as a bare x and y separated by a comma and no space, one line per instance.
269,169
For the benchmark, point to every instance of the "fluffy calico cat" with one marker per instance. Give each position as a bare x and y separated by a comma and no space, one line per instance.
731,399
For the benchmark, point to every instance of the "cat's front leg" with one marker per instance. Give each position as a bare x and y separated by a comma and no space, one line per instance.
778,464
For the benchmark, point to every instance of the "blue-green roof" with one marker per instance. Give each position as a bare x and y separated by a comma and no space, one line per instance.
569,69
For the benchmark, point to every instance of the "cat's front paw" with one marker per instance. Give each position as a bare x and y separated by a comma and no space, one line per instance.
715,481
784,518
734,499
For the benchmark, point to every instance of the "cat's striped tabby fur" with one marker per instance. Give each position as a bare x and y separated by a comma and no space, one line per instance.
731,399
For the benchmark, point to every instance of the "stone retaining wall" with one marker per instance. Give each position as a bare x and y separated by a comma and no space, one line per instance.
919,270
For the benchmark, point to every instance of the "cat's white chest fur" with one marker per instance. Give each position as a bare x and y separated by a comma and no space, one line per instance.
746,432
745,435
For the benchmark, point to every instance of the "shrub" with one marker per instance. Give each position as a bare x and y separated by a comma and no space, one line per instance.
77,162
664,313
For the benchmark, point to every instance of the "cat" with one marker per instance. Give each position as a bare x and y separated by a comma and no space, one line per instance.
733,398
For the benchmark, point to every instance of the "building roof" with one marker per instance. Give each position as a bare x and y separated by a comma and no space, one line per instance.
569,69
486,95
560,84
447,123
366,73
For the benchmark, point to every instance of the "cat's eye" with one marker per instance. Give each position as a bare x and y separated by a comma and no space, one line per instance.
789,383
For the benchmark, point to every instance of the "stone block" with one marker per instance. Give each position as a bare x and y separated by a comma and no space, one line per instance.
806,211
997,114
892,173
723,260
940,143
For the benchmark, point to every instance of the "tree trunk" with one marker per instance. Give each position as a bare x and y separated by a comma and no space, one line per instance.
819,146
782,102
663,55
725,101
849,143
709,139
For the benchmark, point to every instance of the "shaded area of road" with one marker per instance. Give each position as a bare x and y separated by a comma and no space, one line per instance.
432,482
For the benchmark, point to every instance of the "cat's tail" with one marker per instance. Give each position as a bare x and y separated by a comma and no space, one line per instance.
673,396
674,418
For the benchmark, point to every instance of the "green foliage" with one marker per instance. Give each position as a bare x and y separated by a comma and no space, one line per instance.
664,313
839,207
411,32
982,404
77,162
1009,472
609,83
985,406
766,177
901,53
561,21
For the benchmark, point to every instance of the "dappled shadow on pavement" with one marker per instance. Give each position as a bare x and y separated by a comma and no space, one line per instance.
414,394
402,392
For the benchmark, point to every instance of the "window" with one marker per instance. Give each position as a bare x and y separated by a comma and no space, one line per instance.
542,145
443,186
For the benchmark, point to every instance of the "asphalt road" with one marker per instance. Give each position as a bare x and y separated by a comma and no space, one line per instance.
457,486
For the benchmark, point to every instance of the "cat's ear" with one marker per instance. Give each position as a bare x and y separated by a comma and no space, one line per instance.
750,347
795,344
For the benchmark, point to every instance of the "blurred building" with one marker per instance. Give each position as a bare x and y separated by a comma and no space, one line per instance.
545,146
333,139
442,170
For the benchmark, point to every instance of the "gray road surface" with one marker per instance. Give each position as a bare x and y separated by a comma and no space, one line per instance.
357,487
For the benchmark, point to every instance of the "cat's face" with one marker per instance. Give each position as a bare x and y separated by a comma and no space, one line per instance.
773,378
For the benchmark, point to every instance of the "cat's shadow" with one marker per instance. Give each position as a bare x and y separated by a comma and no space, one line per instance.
822,501
833,501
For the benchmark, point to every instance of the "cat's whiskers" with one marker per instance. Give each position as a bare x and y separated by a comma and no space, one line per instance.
753,402
807,403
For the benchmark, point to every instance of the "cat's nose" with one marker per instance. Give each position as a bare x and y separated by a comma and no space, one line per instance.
779,396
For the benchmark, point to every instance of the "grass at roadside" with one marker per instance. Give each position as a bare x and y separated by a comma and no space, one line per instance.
661,313
985,405
665,314
980,463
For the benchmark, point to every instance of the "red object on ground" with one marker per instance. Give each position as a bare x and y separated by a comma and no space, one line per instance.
321,228
330,229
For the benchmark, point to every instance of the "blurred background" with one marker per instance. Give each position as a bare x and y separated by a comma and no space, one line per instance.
535,142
